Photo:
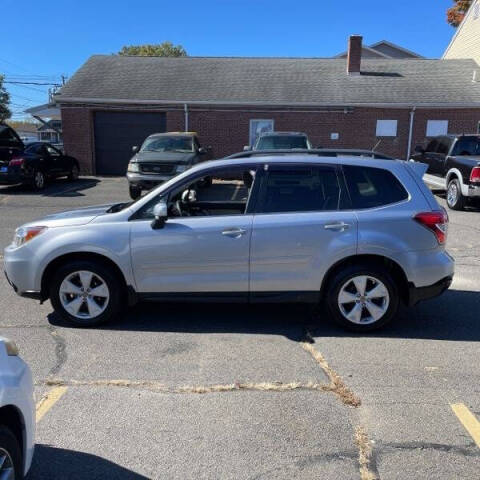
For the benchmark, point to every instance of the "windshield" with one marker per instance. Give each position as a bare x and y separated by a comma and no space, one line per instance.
168,144
468,146
279,142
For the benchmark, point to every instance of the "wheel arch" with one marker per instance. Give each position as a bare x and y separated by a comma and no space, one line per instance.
50,269
454,172
390,265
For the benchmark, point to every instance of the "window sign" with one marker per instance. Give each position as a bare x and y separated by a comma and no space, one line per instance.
437,127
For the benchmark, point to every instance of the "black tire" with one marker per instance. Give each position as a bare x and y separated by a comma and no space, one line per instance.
98,269
348,273
9,444
74,172
455,201
134,192
39,180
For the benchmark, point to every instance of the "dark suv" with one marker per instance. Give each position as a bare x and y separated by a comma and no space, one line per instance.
161,157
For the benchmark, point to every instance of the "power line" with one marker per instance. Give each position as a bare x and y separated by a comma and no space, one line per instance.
33,83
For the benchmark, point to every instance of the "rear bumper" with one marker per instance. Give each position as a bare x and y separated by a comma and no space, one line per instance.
471,191
417,294
11,178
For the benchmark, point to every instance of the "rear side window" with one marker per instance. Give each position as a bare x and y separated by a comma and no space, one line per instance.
373,187
300,189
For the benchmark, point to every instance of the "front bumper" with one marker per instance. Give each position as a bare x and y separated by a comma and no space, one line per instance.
417,294
146,181
19,266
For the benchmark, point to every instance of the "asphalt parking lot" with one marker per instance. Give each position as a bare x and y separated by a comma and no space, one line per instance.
238,392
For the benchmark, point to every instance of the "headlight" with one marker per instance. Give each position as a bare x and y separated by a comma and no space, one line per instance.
133,167
181,168
24,234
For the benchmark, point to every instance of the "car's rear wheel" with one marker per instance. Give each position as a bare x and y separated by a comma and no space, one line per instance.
455,199
38,180
135,192
10,455
73,175
85,293
362,297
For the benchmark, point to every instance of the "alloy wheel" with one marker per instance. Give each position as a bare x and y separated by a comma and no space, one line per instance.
7,470
363,300
452,194
39,180
84,294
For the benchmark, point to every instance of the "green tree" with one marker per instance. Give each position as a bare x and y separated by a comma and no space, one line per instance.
165,49
4,102
456,14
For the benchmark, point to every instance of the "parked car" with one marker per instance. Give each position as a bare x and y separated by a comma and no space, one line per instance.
161,157
281,141
35,164
453,165
17,413
360,234
322,152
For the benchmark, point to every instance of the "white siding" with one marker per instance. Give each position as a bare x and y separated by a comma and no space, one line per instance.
466,42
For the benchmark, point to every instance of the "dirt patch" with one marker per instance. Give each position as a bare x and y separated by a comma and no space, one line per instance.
364,454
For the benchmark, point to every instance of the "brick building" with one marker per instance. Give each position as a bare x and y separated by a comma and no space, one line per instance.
113,102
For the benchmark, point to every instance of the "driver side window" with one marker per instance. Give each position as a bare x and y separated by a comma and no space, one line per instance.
226,191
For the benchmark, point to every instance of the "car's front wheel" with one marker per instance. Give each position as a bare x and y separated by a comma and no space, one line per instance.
134,192
85,293
362,297
10,455
455,198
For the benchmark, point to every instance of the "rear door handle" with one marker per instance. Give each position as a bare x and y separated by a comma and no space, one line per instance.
340,226
234,232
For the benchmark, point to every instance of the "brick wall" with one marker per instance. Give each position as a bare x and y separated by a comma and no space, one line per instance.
78,136
227,131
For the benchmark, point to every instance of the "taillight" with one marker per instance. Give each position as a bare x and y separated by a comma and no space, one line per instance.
16,161
475,175
437,222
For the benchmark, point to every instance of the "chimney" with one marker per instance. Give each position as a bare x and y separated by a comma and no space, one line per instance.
354,55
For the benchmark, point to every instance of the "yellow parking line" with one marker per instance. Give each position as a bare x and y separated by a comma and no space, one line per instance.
468,420
49,400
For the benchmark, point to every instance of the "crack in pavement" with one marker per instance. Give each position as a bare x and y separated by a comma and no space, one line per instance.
60,350
366,459
196,389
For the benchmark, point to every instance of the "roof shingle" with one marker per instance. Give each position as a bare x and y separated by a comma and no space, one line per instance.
272,81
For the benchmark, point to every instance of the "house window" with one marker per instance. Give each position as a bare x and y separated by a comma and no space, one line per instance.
258,126
476,11
387,128
437,127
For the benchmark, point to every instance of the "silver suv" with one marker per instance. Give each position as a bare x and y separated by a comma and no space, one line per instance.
359,234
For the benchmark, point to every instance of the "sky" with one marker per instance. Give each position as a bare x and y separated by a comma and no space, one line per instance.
46,40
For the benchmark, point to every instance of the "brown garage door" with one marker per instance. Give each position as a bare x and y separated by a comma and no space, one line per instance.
115,135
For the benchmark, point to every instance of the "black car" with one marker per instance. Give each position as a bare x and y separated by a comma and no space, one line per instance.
33,163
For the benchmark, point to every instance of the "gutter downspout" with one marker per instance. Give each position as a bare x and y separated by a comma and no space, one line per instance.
185,109
410,133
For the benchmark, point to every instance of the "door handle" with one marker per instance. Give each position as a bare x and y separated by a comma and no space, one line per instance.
340,226
234,232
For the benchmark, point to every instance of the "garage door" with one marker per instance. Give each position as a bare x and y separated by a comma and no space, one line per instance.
115,135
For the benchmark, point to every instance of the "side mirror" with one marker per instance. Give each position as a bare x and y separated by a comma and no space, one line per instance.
419,149
160,212
135,149
202,151
246,148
